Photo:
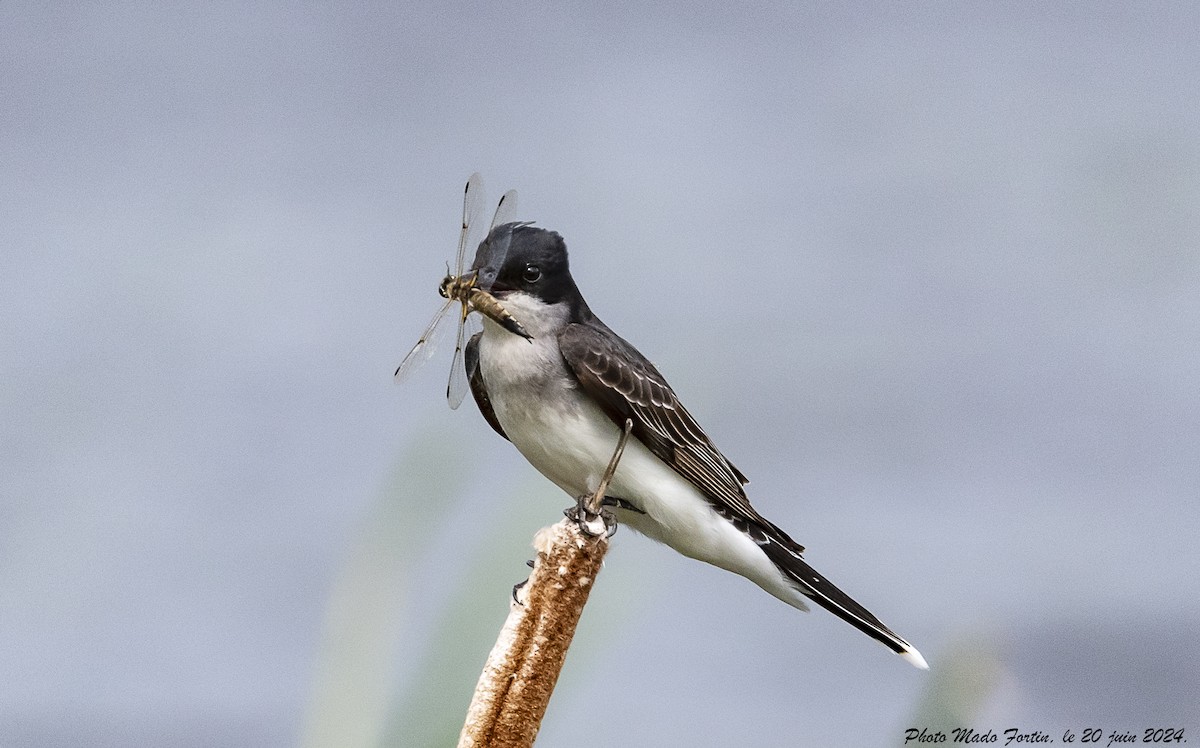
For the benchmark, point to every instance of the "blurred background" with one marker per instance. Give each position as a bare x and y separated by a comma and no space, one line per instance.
928,274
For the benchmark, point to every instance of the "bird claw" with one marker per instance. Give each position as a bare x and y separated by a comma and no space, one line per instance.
520,585
613,501
592,524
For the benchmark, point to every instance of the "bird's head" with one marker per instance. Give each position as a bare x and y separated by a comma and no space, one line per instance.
526,268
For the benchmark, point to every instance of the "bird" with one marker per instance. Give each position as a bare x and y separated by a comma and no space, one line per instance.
562,395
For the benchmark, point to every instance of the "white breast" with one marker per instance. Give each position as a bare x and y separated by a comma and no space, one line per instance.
539,405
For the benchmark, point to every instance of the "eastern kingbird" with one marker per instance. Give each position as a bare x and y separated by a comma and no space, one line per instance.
562,397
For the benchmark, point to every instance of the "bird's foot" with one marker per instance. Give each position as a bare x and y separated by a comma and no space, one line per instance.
592,524
618,503
520,585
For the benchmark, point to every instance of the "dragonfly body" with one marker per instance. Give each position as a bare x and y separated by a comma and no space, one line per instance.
463,290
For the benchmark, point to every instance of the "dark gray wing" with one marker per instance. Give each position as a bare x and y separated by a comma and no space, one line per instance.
478,388
614,374
626,385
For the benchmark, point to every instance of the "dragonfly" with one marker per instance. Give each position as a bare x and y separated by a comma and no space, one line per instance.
459,288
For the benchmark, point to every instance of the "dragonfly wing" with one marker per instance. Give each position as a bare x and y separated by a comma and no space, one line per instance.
456,388
506,210
493,249
425,347
473,198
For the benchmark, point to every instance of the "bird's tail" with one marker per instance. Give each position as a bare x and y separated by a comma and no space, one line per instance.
785,554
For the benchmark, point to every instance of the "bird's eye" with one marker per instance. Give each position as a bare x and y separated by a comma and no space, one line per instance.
532,274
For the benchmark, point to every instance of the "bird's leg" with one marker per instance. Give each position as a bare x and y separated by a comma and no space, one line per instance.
589,511
596,503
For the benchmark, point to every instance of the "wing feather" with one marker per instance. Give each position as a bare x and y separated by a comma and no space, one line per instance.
626,385
478,386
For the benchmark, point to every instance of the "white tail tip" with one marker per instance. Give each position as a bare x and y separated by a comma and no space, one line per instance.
914,658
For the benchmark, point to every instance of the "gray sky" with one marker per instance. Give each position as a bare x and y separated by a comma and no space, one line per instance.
928,275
